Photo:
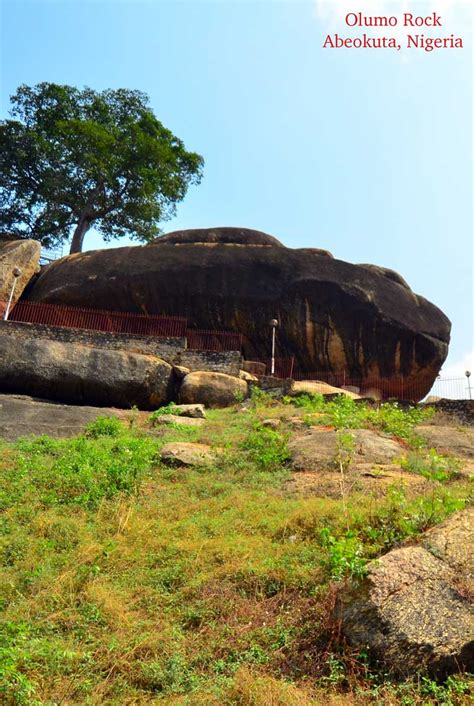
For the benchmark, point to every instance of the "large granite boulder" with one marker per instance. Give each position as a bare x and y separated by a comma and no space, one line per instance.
212,389
72,373
414,610
333,315
22,256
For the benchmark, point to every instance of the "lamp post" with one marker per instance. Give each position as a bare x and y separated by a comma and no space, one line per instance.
16,274
468,375
273,324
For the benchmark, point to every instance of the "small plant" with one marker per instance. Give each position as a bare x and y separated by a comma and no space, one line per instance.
345,555
432,465
267,448
167,409
104,426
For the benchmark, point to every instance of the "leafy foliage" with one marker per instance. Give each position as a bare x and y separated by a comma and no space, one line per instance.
71,158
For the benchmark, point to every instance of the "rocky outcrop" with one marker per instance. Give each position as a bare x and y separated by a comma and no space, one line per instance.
333,315
21,415
21,256
212,389
413,610
79,374
320,449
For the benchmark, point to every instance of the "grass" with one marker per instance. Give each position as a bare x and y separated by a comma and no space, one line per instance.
124,581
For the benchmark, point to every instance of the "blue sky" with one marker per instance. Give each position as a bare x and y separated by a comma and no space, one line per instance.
365,153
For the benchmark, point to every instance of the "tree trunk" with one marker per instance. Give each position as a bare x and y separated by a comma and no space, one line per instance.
78,237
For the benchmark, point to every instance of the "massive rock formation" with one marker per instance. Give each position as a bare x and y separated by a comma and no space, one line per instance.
76,374
22,256
333,315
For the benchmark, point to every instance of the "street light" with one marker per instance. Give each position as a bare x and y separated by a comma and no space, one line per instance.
273,324
16,273
468,375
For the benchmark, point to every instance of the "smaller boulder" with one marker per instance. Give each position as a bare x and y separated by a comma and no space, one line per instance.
271,423
187,454
316,387
248,377
212,389
170,419
197,411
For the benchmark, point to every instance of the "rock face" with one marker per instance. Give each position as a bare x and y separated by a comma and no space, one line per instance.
413,610
25,416
333,316
21,254
78,374
211,389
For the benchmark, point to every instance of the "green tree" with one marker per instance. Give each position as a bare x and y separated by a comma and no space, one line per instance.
71,159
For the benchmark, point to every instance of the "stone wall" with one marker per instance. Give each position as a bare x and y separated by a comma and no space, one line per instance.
229,362
462,409
172,350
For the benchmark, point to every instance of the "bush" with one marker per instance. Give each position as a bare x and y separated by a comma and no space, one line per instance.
104,426
267,448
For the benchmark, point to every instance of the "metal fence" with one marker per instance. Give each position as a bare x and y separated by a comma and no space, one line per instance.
94,320
203,340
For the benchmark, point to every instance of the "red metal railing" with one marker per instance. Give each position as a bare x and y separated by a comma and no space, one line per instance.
91,319
202,340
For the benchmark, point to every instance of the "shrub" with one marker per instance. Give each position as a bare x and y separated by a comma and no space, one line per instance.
267,448
104,426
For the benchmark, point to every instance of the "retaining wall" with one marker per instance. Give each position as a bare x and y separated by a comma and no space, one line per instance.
172,350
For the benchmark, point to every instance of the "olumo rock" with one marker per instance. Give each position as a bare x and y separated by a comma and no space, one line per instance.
21,254
413,610
333,315
79,374
212,389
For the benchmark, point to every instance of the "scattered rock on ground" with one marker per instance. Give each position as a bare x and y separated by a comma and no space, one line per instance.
21,254
449,440
187,454
21,415
413,610
271,423
212,389
198,411
319,448
168,419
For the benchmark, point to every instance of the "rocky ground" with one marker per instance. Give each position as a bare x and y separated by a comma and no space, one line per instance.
300,551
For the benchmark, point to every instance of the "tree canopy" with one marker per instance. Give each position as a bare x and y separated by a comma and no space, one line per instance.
71,159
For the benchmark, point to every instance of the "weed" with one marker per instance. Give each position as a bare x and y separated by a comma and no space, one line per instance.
267,448
104,426
432,465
